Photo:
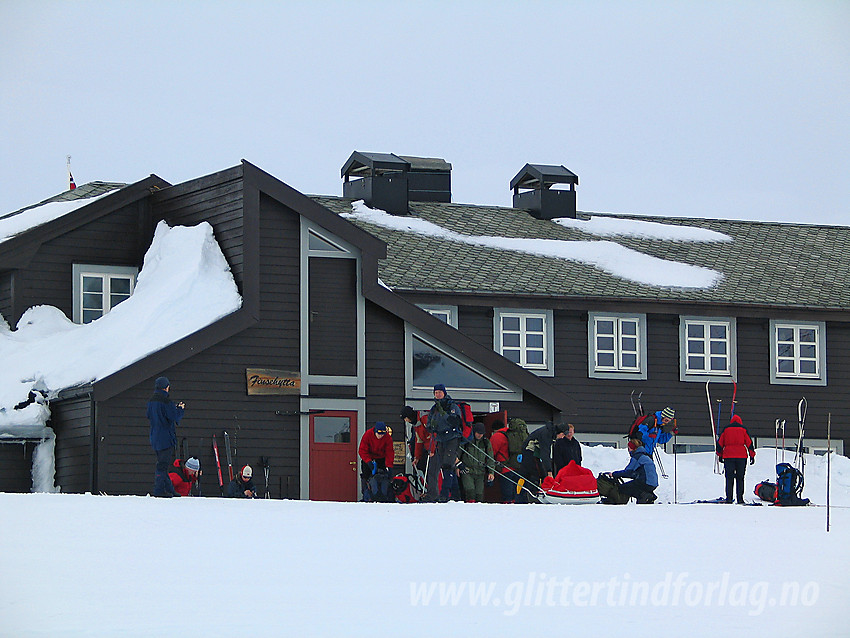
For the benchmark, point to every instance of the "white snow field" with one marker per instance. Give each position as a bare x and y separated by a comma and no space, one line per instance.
84,565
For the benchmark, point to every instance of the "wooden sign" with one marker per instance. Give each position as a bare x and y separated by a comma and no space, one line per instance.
262,381
400,453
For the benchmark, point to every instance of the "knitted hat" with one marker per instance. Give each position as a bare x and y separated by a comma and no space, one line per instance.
440,386
562,428
478,428
408,412
247,472
161,383
668,413
380,426
193,464
736,420
636,435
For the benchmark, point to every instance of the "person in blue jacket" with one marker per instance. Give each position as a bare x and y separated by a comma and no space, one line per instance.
164,415
641,469
445,421
658,429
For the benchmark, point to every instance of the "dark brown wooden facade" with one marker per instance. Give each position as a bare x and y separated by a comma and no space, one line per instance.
333,324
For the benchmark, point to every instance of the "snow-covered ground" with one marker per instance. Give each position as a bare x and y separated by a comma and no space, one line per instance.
82,565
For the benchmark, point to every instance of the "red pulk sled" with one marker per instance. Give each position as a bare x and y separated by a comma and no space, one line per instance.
574,485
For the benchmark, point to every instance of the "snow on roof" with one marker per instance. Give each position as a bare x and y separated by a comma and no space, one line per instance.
18,223
608,256
185,285
618,227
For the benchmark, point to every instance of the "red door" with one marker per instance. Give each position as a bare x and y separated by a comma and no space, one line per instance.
333,456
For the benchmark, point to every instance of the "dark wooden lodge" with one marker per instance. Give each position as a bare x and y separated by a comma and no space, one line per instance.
363,319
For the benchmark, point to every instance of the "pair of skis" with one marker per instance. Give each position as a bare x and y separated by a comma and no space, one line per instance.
799,459
218,460
715,426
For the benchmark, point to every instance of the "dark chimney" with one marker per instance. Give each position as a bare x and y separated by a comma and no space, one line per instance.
539,197
388,182
381,181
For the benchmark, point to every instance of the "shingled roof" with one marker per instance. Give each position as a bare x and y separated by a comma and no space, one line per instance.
765,264
85,191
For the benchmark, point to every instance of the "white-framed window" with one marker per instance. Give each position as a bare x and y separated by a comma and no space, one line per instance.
525,337
616,345
707,348
446,314
98,289
797,352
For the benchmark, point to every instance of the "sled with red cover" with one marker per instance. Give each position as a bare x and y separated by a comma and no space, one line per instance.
574,485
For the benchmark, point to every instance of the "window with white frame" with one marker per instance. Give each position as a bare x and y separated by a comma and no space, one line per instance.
617,345
525,337
707,348
99,289
446,314
798,352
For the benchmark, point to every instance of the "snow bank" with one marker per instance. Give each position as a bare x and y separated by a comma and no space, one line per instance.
185,285
608,256
81,565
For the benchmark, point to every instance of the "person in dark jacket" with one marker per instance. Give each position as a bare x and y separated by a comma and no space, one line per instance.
733,447
641,469
164,416
184,475
242,486
476,457
566,449
536,461
445,422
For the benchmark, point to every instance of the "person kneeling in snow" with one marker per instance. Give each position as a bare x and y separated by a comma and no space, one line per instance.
641,470
243,485
185,475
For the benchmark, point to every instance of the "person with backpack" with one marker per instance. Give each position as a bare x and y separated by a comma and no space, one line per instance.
185,475
445,422
377,456
657,429
733,447
536,462
506,477
641,471
566,449
476,457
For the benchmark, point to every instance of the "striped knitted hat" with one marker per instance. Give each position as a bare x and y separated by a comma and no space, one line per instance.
668,413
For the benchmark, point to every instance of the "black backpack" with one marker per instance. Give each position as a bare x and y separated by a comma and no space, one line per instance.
766,491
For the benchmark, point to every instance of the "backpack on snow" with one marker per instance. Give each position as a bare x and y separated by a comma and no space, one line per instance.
376,489
766,491
789,485
404,489
609,490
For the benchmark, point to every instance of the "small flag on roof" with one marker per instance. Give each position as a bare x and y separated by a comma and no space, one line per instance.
71,184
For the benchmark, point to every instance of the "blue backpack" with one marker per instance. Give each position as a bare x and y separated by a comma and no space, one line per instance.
789,485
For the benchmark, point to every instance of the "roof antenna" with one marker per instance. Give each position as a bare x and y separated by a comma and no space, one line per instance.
71,184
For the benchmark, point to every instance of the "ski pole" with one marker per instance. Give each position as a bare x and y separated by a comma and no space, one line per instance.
828,455
522,480
660,464
675,465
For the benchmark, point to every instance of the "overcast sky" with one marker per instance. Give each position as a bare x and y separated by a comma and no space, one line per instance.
699,109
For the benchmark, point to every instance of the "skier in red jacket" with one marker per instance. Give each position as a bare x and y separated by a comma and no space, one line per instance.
733,447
